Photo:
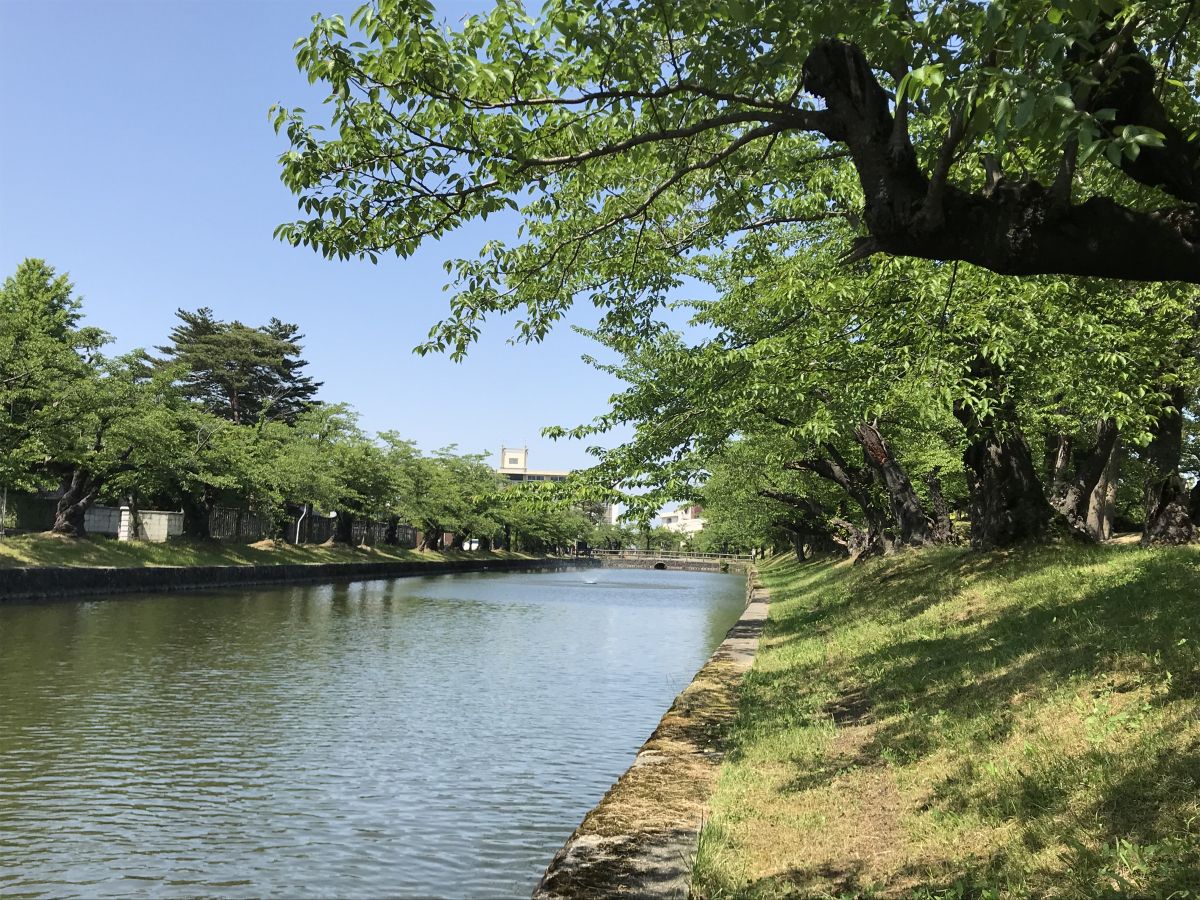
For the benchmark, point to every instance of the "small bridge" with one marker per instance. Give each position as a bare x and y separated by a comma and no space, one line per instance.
671,559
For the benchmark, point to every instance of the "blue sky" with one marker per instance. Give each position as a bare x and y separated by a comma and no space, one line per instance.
138,157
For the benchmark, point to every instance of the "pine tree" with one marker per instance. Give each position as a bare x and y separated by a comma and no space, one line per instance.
240,373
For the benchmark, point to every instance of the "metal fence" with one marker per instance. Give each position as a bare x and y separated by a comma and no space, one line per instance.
238,525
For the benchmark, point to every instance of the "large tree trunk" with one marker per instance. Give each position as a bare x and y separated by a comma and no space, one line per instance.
849,536
909,514
196,513
79,493
485,543
943,528
343,527
1102,504
431,536
1073,497
1167,500
459,540
1006,502
856,482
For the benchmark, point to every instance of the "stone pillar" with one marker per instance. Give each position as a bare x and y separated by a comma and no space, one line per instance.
125,526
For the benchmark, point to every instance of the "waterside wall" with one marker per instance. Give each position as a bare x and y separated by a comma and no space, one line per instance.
640,841
66,583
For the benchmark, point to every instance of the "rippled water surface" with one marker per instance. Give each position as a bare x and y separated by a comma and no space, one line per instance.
411,737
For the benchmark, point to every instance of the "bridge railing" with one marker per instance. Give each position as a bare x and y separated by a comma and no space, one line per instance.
668,554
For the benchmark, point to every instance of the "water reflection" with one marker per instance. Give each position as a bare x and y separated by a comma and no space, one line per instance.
409,737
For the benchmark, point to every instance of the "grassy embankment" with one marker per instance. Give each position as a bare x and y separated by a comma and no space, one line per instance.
45,550
949,724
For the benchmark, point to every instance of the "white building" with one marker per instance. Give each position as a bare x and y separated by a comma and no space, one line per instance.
684,520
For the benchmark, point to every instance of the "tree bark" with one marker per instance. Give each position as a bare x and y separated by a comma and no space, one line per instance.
431,536
196,514
856,482
79,493
459,540
343,527
1167,500
943,527
1074,496
1006,502
1102,504
849,536
1014,229
1058,459
909,514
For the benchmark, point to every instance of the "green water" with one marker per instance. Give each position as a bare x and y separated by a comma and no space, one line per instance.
412,737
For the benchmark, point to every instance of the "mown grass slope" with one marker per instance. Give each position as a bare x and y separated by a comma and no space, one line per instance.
47,550
956,724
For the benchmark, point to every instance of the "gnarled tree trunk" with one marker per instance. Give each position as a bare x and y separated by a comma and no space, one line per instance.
1006,502
343,528
856,482
849,536
1102,505
79,493
1058,464
1073,494
943,528
431,536
914,525
1167,500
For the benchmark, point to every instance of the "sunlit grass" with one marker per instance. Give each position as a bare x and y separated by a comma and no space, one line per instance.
953,724
46,550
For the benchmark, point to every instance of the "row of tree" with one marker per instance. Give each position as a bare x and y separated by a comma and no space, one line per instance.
225,414
911,404
903,210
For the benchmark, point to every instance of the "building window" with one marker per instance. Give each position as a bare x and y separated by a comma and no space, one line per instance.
512,460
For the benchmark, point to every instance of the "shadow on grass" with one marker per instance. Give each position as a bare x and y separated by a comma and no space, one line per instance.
955,651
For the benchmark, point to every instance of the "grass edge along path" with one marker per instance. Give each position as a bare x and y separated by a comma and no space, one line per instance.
957,724
37,550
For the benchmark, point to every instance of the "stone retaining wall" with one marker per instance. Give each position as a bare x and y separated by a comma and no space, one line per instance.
641,840
65,583
674,565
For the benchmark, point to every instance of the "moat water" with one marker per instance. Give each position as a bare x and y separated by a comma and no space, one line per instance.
413,737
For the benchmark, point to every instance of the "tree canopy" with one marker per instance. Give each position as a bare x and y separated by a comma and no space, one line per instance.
238,372
1024,136
226,418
